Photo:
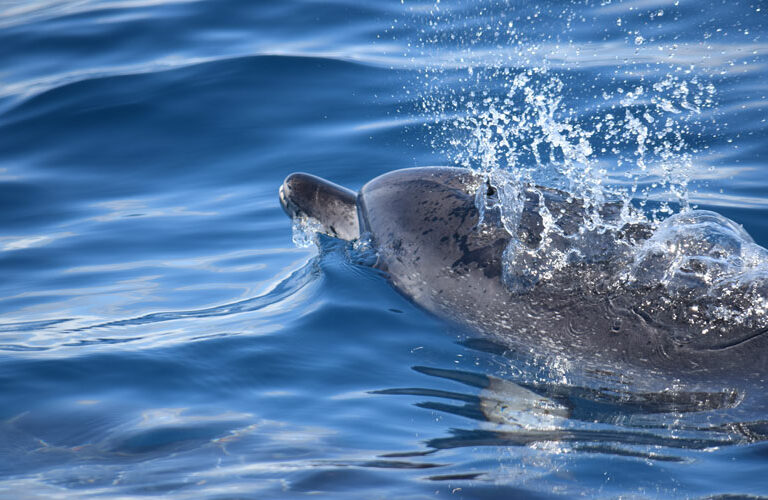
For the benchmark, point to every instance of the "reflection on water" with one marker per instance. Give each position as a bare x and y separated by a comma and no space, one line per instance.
583,419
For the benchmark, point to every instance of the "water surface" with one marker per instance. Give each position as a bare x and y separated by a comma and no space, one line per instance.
161,335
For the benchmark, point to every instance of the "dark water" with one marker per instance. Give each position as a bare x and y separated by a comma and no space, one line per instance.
161,335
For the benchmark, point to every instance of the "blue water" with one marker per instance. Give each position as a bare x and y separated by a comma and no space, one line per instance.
161,335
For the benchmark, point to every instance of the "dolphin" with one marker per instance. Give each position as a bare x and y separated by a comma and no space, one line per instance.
469,263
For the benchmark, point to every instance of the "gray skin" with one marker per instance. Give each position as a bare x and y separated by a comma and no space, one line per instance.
424,225
305,195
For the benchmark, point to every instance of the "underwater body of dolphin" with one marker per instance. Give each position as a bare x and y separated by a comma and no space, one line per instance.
454,261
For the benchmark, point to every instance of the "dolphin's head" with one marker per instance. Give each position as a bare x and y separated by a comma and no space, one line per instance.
333,206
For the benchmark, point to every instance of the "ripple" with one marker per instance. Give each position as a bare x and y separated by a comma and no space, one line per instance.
20,93
26,12
44,335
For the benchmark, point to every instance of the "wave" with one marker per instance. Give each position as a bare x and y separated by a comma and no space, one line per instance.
53,335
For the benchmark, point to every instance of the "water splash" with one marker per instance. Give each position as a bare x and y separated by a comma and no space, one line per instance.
304,231
633,151
703,255
509,100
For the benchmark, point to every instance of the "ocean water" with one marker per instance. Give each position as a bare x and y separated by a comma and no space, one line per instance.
161,335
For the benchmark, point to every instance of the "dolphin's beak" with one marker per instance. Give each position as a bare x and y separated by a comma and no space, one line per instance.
294,193
288,207
331,205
